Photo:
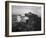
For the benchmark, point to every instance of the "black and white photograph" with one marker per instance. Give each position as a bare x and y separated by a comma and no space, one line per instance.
25,18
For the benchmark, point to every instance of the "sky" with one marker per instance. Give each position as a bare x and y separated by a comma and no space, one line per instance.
26,9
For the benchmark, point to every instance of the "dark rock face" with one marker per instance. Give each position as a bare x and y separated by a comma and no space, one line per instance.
32,24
